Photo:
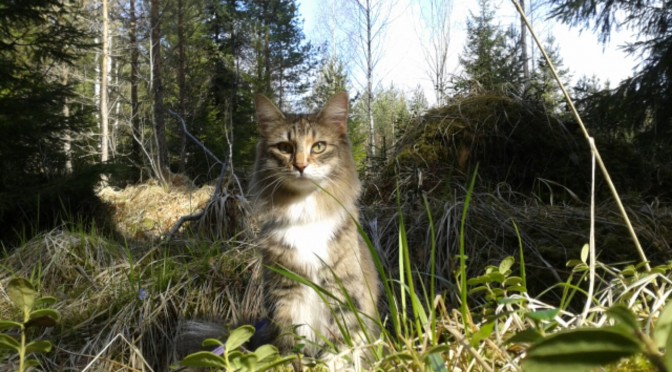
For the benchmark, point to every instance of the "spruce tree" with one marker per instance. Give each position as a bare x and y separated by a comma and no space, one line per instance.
641,102
490,63
37,39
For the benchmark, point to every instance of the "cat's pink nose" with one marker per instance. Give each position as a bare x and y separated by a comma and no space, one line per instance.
300,167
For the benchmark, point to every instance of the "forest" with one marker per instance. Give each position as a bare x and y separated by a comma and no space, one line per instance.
521,220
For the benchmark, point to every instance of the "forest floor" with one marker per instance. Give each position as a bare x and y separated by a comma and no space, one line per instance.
123,298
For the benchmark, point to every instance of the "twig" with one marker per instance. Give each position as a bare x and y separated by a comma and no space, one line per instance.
196,141
221,180
182,220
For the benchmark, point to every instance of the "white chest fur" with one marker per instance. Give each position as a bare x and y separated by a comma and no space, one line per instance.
309,231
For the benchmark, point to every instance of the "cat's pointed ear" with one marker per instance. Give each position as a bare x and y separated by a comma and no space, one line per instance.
335,112
267,113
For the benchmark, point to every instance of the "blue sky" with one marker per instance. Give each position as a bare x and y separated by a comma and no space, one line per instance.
402,60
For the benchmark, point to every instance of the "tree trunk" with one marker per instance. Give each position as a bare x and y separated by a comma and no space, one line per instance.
157,92
523,45
67,140
181,82
104,72
369,79
135,119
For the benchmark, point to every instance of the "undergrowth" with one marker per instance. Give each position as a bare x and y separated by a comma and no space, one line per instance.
121,303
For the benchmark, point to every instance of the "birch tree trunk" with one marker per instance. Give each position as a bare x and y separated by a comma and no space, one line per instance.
372,19
523,45
369,77
135,118
104,72
437,20
67,140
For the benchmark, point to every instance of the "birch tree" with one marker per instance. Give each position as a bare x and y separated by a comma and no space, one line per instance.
135,54
104,79
436,17
371,20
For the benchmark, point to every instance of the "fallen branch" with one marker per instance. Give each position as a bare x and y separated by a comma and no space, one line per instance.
219,199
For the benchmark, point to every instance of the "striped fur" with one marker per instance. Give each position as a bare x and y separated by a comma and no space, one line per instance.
305,190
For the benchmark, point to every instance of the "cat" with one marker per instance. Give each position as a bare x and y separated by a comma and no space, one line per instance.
305,191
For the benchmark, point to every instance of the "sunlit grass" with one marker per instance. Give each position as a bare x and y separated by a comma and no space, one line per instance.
122,300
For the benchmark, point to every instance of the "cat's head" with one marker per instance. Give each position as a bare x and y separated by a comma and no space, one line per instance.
298,151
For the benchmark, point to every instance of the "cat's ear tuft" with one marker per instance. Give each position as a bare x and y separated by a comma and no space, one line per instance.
268,113
335,112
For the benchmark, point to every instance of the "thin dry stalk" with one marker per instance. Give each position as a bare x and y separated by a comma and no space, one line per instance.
594,150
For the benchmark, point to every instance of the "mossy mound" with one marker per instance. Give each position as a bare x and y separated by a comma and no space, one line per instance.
513,143
534,171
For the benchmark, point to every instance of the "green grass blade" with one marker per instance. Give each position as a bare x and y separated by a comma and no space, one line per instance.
521,255
464,309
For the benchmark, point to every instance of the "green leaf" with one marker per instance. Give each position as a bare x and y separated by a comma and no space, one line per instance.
400,356
574,262
238,337
5,324
623,316
495,294
511,300
661,334
45,301
513,281
496,277
8,342
543,315
212,343
31,363
667,356
580,268
21,293
248,362
529,335
478,289
233,355
39,346
629,271
436,363
276,362
477,280
516,288
584,253
663,269
483,333
265,352
44,317
657,270
580,350
204,359
506,264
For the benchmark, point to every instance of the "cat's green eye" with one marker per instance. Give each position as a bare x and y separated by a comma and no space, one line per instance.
319,147
285,147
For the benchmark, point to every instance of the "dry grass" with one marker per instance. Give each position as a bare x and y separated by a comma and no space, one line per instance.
122,303
148,211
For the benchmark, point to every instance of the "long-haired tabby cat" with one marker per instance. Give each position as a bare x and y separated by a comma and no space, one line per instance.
305,190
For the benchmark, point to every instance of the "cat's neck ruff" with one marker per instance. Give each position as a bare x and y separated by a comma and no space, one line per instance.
308,225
